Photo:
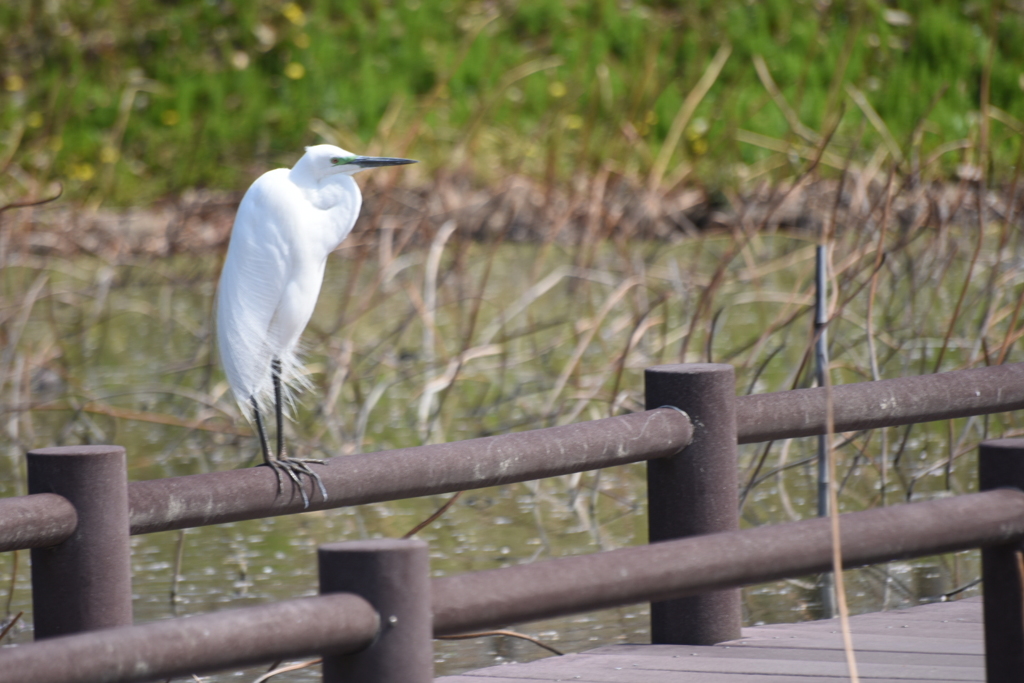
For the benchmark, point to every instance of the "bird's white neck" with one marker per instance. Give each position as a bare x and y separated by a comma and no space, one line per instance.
326,192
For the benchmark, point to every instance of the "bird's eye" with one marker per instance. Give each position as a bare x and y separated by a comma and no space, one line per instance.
335,160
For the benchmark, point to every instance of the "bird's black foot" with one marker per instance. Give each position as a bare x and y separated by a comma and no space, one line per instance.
294,468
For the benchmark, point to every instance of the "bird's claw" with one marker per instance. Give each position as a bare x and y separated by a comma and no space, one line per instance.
294,467
302,465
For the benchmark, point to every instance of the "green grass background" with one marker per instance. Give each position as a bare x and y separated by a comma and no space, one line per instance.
126,102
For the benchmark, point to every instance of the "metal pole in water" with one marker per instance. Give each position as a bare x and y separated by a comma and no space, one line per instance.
828,593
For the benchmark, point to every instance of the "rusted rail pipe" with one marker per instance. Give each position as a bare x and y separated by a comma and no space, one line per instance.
674,569
340,622
886,403
335,623
37,520
200,499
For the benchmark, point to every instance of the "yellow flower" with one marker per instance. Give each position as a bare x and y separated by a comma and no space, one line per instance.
108,155
295,71
83,172
294,14
697,129
34,120
573,121
170,117
557,89
14,83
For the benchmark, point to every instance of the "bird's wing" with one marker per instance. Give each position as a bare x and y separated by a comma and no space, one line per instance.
255,276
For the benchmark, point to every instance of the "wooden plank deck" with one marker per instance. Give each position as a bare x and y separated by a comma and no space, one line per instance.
938,642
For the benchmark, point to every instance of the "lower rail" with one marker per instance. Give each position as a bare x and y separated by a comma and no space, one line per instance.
342,622
38,520
333,623
674,569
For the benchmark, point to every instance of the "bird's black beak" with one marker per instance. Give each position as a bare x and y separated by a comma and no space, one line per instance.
375,162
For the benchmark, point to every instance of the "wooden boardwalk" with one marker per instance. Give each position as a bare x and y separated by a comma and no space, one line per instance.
937,642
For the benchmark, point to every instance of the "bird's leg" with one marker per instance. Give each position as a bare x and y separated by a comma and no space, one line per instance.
298,464
264,446
275,373
271,462
282,462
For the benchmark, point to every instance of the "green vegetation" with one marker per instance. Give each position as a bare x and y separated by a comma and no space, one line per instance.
126,102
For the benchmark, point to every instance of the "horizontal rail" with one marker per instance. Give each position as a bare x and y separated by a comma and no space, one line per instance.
202,499
217,497
338,623
674,569
885,403
333,623
38,520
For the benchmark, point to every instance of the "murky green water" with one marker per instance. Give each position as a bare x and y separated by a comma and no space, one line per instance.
515,338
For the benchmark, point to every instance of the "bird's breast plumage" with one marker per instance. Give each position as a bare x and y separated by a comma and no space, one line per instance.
336,200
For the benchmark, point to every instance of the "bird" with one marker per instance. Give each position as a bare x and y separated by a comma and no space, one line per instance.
288,222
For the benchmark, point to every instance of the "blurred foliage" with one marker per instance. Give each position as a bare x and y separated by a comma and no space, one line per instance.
130,101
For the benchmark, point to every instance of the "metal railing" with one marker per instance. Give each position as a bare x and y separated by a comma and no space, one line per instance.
81,551
886,403
40,520
341,623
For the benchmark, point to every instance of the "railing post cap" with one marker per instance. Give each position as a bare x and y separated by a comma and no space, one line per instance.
1014,444
78,451
690,368
374,545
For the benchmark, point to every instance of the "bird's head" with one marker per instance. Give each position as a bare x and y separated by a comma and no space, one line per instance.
327,160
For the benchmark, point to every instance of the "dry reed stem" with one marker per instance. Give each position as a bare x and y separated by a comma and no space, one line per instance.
14,582
685,113
837,552
584,342
94,408
873,290
12,622
278,670
509,634
876,121
966,284
809,136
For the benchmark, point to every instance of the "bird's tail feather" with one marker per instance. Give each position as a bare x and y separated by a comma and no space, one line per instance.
294,380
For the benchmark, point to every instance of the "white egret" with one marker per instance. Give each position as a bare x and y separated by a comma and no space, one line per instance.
288,222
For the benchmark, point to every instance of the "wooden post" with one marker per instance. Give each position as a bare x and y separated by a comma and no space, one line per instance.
84,583
1000,465
695,492
394,576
